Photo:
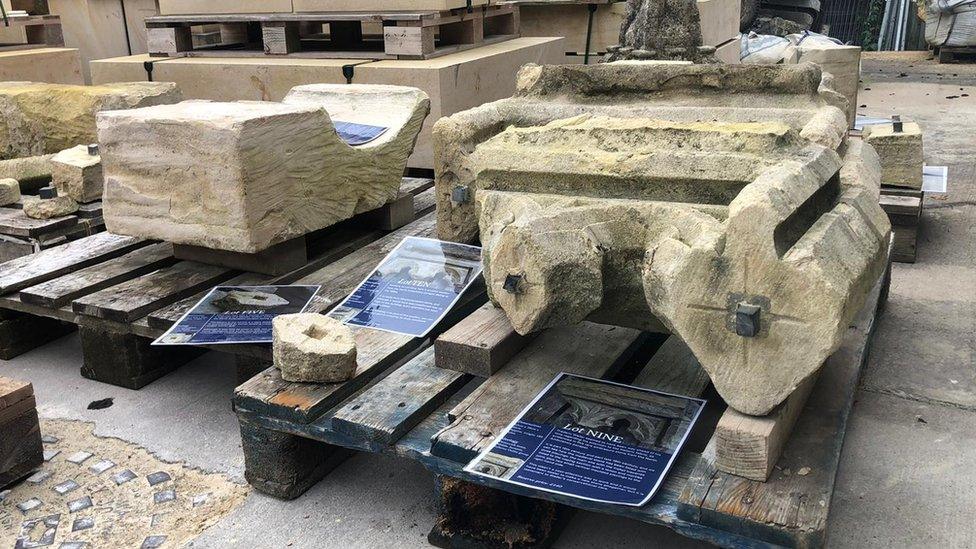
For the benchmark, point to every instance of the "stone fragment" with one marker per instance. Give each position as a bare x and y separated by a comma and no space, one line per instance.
39,477
102,466
151,542
9,191
83,523
65,487
313,348
164,496
48,530
78,174
123,476
49,208
661,29
29,505
79,504
29,169
723,204
900,153
79,457
158,477
270,172
73,545
38,119
49,439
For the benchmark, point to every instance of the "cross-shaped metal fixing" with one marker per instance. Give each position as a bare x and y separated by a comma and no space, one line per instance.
514,283
747,319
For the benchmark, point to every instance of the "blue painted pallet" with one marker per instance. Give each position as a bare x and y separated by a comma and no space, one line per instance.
442,418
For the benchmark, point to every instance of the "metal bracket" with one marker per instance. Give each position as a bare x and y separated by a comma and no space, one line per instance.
745,316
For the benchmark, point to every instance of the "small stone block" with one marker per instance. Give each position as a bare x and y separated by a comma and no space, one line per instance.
83,523
901,153
78,174
47,192
50,454
65,487
123,476
79,457
152,542
200,499
73,545
101,466
310,347
164,496
79,504
29,505
9,191
156,520
49,439
39,477
49,208
50,523
158,477
3,495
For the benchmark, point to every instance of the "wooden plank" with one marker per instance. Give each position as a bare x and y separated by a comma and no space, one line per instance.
749,446
30,270
13,391
674,369
61,291
14,222
280,38
586,349
165,317
137,298
169,40
276,260
791,507
414,41
480,344
384,412
909,206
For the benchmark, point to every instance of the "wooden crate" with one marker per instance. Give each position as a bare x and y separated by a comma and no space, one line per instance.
904,209
295,433
122,292
338,35
20,433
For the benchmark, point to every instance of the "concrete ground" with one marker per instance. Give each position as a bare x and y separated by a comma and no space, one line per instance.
908,471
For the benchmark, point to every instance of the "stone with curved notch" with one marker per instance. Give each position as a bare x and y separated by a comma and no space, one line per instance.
311,347
723,204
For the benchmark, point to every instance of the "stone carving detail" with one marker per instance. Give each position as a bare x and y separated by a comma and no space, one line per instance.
247,175
662,30
723,204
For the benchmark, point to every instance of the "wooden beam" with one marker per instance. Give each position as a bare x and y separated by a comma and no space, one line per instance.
481,344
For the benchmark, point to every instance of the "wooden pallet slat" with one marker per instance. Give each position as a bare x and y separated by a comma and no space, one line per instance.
384,412
60,291
16,223
481,344
22,272
137,298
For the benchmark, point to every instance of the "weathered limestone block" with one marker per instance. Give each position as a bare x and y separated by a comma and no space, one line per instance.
9,191
77,172
34,170
37,119
661,29
720,204
900,152
49,208
247,175
313,348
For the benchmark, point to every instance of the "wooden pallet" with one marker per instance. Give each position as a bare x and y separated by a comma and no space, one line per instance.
904,209
20,235
41,31
293,433
950,54
122,292
350,35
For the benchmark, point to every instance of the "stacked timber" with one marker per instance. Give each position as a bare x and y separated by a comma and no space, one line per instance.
21,450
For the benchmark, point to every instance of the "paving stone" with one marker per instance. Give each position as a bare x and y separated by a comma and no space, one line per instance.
49,454
49,439
156,519
50,523
152,542
39,477
200,499
29,505
158,477
83,523
73,545
79,457
164,496
101,466
66,486
79,504
123,476
3,495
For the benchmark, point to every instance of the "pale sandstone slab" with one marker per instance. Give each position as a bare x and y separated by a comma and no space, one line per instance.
310,347
900,152
77,172
244,176
38,119
49,208
9,191
722,204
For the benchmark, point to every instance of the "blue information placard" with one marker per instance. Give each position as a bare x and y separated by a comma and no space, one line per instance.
592,439
237,314
357,134
413,287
